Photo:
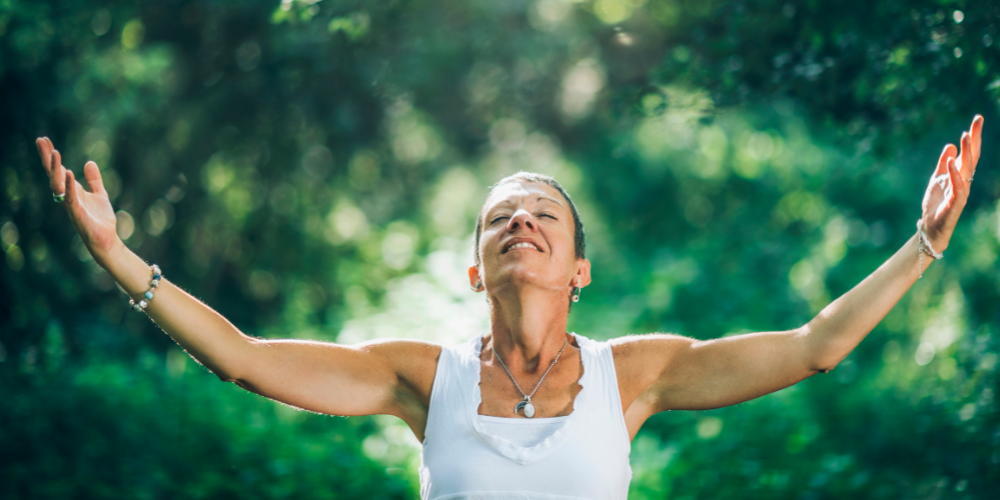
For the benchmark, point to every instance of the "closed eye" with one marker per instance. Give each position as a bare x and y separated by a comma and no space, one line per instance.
502,217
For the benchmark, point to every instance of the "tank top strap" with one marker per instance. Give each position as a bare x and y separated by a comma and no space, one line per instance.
451,392
604,402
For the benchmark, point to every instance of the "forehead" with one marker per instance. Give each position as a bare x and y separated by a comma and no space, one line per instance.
513,193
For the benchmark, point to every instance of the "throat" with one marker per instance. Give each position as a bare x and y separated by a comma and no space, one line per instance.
530,321
555,395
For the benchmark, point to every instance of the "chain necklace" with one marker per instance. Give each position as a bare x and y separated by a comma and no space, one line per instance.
529,409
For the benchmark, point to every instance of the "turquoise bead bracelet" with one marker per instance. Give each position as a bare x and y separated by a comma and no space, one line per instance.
148,296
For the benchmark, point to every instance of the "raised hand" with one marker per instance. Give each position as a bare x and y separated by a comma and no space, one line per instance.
948,190
90,211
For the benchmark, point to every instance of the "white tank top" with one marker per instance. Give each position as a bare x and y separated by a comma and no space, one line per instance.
583,455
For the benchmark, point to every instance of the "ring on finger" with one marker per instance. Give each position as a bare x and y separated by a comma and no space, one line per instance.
59,198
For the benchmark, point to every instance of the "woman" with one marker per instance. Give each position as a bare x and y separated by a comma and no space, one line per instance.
526,410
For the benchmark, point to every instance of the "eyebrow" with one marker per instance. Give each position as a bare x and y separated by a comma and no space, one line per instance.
540,198
549,198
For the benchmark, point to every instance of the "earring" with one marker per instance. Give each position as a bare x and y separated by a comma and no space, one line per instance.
576,294
478,287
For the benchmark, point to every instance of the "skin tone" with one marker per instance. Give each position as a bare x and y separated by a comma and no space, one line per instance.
529,268
529,289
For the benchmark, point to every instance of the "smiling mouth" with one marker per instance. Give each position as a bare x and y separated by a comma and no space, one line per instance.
523,244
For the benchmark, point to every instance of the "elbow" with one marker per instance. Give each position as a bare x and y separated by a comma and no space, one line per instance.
231,368
822,355
823,364
228,374
229,377
238,382
828,356
225,370
243,384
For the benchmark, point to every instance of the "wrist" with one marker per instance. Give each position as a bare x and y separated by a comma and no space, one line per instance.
128,269
936,236
924,247
927,245
937,245
115,254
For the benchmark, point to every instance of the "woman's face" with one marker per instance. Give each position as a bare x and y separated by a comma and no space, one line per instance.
528,241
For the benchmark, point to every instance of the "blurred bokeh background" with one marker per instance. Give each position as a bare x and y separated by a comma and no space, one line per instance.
312,169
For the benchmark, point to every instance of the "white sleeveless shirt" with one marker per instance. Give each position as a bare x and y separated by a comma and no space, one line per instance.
584,455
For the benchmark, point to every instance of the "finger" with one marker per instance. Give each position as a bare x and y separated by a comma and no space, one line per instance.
93,176
40,144
969,163
964,161
942,166
977,138
45,152
72,190
957,184
57,177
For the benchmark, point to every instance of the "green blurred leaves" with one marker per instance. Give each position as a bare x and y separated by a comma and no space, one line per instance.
354,26
313,170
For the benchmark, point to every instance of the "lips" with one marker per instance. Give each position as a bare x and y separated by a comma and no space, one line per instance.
521,244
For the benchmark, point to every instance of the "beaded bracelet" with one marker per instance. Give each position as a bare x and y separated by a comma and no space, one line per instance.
148,296
924,246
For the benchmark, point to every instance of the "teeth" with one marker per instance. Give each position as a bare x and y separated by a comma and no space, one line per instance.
523,245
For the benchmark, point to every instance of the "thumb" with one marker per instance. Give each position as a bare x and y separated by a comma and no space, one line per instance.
93,176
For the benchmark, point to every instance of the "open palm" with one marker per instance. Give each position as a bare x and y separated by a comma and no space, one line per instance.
90,211
948,190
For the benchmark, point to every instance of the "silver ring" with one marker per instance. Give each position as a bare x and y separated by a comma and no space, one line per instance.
59,197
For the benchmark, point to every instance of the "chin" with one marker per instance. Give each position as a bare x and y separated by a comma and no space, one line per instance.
520,277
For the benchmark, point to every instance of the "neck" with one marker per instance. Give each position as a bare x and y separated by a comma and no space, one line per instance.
528,327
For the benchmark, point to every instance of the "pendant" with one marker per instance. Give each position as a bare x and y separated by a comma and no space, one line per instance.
529,409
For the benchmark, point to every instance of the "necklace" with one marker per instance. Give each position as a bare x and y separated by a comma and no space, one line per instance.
529,409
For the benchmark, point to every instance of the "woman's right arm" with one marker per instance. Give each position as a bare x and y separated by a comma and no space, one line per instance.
387,377
364,379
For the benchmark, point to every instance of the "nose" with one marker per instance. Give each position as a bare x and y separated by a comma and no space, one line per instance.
522,218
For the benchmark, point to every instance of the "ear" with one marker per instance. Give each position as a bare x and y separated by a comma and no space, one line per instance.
582,277
474,279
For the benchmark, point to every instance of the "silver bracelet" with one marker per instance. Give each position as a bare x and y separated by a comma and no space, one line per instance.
924,246
148,296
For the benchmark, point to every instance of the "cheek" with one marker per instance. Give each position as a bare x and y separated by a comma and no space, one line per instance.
564,244
487,245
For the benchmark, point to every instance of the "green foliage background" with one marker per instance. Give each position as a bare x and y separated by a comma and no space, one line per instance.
313,168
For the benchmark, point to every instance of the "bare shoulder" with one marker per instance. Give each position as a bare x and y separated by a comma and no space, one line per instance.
413,361
400,347
640,360
635,351
404,355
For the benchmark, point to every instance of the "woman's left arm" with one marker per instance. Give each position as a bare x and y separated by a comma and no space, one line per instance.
841,326
671,372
